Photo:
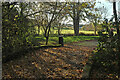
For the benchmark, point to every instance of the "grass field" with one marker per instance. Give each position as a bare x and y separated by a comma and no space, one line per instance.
65,31
68,31
66,39
72,32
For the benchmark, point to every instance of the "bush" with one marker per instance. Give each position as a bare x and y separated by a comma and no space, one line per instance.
105,58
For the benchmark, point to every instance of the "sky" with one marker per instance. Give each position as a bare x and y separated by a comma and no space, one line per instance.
101,3
107,5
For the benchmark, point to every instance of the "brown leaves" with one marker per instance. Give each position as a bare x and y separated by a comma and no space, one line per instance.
67,62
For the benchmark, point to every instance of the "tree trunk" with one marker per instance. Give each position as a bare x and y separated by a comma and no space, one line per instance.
46,39
58,30
47,34
95,26
38,30
117,27
115,14
76,27
76,13
95,30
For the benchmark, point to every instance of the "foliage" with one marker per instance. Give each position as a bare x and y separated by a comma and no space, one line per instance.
20,21
105,58
17,33
79,11
99,27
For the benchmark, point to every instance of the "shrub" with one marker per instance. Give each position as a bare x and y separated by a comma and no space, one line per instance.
105,58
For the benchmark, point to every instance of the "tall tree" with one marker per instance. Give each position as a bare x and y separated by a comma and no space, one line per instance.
78,11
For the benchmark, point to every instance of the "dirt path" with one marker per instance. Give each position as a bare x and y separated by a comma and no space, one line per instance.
60,62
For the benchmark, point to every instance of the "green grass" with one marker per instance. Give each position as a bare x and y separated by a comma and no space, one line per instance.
66,39
70,39
87,43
